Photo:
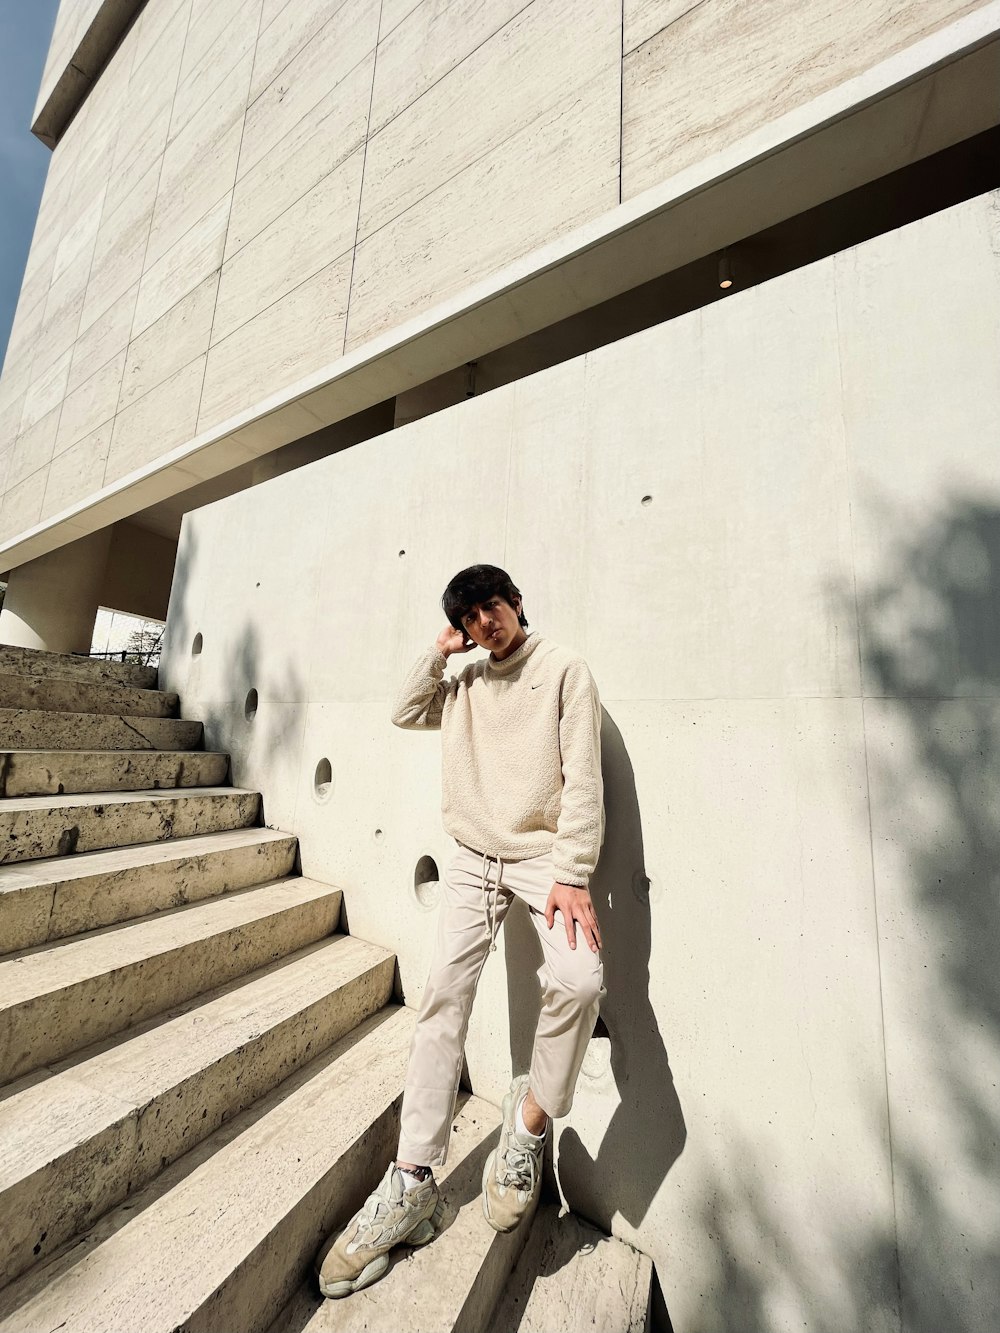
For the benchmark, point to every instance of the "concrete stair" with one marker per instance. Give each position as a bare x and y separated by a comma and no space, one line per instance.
199,1076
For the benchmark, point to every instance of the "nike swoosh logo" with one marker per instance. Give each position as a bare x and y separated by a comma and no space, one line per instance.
536,687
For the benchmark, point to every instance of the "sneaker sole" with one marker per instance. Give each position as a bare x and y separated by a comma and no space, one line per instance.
421,1234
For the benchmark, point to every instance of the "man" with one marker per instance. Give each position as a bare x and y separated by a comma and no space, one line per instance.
523,798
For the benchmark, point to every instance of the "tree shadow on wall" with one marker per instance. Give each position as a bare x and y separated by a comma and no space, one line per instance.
929,622
253,713
645,1134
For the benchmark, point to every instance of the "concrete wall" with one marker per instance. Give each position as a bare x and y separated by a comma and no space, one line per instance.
255,187
773,528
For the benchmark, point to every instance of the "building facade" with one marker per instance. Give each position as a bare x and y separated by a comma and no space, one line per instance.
327,300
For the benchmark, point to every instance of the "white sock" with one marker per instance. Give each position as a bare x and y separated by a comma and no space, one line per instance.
521,1128
411,1182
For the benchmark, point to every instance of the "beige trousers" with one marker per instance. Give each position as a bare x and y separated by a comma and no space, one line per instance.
478,891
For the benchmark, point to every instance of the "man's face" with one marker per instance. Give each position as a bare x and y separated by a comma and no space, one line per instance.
494,625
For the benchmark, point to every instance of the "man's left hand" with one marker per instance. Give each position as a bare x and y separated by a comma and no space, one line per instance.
575,905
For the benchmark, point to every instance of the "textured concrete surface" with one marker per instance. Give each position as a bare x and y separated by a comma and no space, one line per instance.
111,1122
37,772
794,529
29,662
570,1276
50,899
464,1267
226,1234
70,696
58,999
32,827
34,729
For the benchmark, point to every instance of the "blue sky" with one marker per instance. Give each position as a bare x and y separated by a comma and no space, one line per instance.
25,29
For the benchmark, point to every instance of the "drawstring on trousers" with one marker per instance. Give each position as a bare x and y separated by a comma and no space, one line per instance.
490,914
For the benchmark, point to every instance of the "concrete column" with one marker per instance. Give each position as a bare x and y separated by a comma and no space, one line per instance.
52,602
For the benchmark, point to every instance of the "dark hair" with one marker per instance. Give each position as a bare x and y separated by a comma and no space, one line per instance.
477,584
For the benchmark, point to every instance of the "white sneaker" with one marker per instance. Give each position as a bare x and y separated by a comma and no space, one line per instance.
513,1169
358,1255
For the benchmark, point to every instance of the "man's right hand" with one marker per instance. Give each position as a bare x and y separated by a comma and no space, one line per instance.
452,640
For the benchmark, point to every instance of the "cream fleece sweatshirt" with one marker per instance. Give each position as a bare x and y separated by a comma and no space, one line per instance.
520,753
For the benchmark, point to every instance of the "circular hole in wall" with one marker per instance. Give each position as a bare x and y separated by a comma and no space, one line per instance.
378,835
323,780
197,643
401,554
646,500
250,705
426,882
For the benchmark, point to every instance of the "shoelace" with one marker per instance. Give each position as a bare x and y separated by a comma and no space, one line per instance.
520,1168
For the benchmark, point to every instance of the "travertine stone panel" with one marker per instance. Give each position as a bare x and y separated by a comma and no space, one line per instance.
302,330
393,13
678,106
100,341
155,423
33,827
557,172
146,112
427,44
121,246
91,405
46,391
80,238
196,255
314,147
27,321
199,165
537,62
71,22
42,901
167,1089
22,504
284,33
642,19
61,320
76,471
301,241
38,772
34,448
220,34
337,47
171,343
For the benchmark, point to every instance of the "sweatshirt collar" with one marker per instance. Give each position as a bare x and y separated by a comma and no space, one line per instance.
516,659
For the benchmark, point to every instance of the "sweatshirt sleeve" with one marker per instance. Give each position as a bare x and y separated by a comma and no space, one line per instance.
580,827
421,697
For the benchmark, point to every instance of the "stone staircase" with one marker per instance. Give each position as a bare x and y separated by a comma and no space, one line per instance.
199,1076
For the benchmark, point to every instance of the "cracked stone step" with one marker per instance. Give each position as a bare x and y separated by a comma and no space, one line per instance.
81,696
221,1239
465,1267
96,1130
68,666
32,827
35,729
571,1276
60,998
47,900
60,772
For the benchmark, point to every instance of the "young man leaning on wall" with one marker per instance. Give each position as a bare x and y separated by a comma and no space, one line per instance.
523,798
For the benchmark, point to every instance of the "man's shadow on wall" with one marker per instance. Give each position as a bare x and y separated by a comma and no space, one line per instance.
646,1131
